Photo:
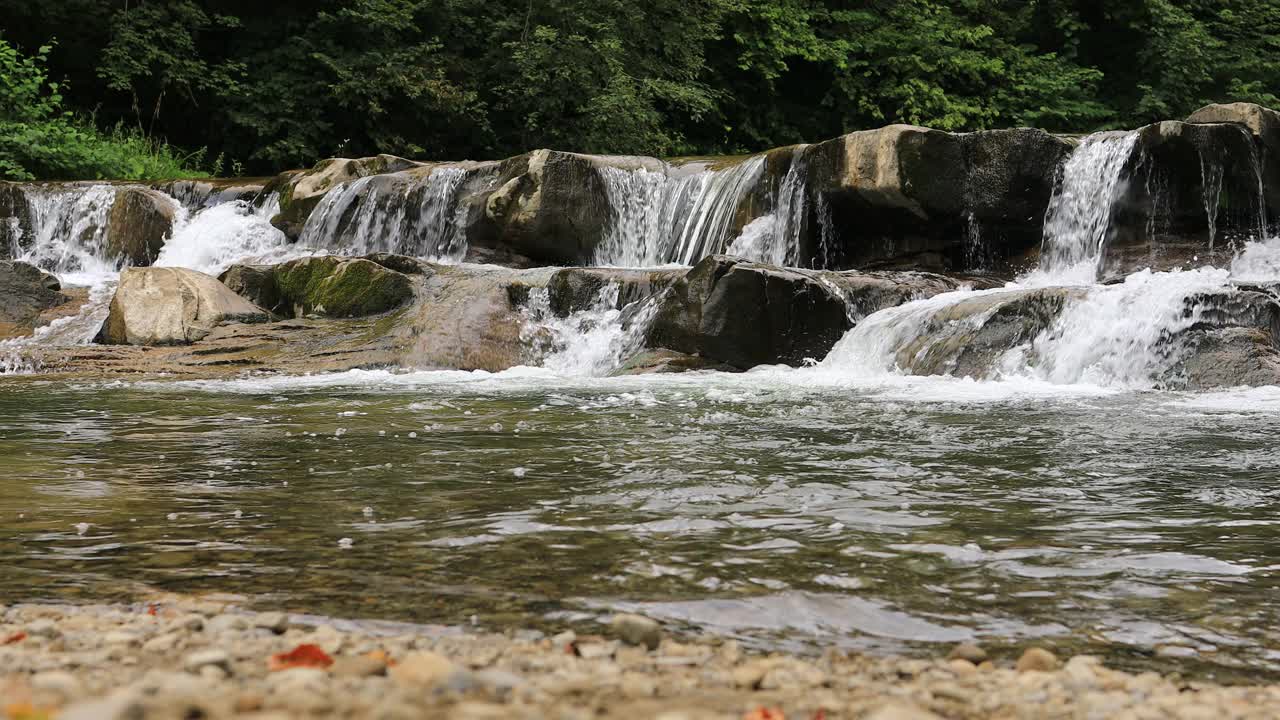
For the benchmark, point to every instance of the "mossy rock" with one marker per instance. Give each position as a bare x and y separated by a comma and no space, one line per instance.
340,287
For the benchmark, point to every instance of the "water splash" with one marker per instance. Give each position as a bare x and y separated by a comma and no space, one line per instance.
775,238
213,239
392,213
1078,219
592,342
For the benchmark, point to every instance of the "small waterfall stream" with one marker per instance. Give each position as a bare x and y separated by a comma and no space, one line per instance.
662,218
391,213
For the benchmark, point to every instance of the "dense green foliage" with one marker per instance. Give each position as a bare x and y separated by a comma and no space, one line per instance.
283,83
40,139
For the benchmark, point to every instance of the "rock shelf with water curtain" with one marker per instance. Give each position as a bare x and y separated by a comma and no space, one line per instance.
1141,258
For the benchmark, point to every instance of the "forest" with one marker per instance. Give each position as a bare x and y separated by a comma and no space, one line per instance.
142,88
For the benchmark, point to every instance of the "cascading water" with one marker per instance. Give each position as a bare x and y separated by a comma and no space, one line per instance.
213,239
592,342
1079,215
399,214
1056,324
660,219
775,238
68,231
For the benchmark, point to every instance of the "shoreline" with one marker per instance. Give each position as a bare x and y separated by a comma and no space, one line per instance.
203,658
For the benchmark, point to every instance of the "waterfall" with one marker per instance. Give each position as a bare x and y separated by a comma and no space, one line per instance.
1078,219
1211,174
67,234
219,236
591,342
775,238
391,213
660,219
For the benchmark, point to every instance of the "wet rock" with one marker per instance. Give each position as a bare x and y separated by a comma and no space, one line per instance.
338,287
301,192
1038,660
746,314
661,360
171,306
637,630
25,292
257,284
140,222
906,196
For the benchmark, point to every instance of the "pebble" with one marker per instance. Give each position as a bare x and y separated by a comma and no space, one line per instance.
637,630
44,628
196,661
1037,660
968,651
465,675
423,669
276,622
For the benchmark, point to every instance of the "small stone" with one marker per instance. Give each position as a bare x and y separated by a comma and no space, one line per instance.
186,623
968,651
121,637
116,707
359,666
597,651
1037,660
568,637
44,628
637,686
162,643
962,668
201,658
248,702
63,684
498,684
276,622
637,630
422,669
902,711
749,674
225,623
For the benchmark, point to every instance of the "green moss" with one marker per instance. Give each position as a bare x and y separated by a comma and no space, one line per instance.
339,287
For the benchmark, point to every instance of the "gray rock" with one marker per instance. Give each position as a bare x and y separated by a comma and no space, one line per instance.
637,630
25,291
43,628
225,623
140,222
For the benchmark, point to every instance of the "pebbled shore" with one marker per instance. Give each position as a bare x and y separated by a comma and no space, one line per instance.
193,659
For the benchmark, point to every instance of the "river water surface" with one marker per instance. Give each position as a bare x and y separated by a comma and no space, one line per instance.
790,508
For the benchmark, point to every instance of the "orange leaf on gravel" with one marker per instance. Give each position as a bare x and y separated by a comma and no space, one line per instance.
764,713
303,656
14,638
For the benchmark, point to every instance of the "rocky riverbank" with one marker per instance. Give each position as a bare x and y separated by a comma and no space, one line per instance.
187,658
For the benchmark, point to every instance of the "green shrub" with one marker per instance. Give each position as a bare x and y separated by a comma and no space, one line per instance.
41,140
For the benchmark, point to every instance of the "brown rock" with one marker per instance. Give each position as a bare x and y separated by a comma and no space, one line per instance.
1038,660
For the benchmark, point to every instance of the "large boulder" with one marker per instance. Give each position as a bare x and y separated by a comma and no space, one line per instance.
140,222
301,192
745,314
907,196
329,286
1194,194
26,292
171,306
553,206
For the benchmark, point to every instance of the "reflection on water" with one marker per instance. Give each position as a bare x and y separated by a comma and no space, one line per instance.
794,514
